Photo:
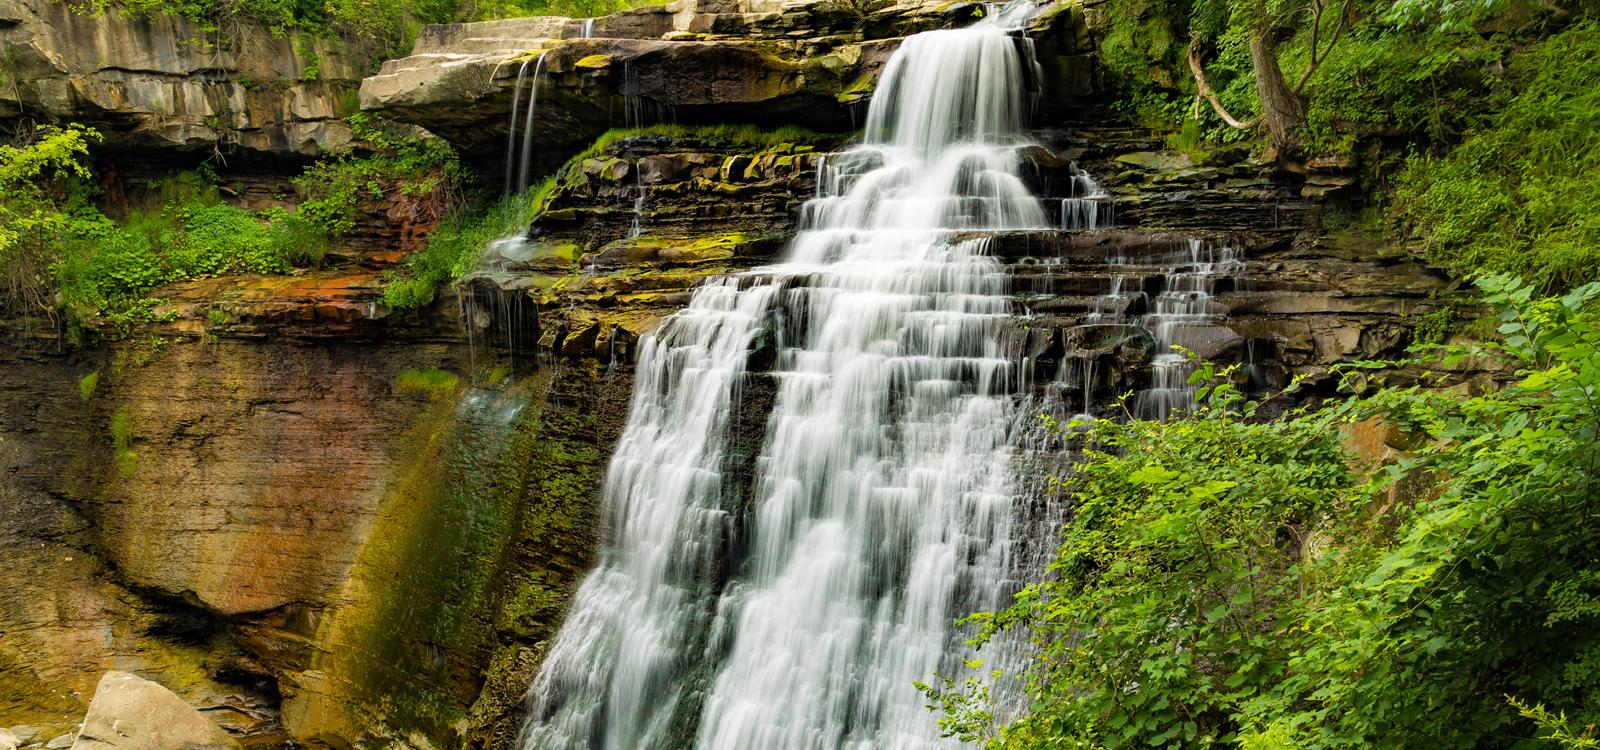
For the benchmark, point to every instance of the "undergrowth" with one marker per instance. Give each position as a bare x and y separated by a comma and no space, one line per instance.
1519,193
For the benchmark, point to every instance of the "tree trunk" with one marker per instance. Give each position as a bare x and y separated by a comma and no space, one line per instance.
1281,110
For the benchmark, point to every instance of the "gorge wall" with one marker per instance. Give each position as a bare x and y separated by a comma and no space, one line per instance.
322,520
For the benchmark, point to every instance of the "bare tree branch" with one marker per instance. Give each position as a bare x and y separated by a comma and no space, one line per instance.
1205,88
1320,54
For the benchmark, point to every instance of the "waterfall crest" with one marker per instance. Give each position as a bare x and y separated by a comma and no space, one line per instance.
798,612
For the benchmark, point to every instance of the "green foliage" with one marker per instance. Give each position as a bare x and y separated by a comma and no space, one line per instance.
741,136
1226,580
1555,727
1518,195
122,442
37,204
375,29
183,230
456,246
87,385
433,383
394,163
1424,85
490,9
1434,327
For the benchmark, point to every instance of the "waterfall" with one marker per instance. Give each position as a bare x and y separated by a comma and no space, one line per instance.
637,228
796,610
526,152
511,130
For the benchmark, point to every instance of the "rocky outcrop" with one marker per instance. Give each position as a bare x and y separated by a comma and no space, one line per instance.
811,63
131,713
165,83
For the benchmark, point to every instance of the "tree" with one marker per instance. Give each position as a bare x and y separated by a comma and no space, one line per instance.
1265,23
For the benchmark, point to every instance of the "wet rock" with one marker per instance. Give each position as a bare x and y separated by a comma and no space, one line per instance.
1105,337
131,713
9,740
61,742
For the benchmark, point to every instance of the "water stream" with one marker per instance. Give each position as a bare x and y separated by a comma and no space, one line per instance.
791,598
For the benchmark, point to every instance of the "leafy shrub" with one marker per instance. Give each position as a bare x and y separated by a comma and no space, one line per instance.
181,231
1224,580
37,205
456,246
1425,86
397,163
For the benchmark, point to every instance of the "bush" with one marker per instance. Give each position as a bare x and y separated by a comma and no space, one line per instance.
457,245
1224,580
182,230
395,164
38,204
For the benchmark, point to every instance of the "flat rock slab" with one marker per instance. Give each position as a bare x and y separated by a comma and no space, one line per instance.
131,713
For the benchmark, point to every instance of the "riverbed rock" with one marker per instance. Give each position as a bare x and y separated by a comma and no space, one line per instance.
131,713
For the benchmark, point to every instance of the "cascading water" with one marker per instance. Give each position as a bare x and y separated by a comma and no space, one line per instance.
1183,310
798,611
511,130
1087,207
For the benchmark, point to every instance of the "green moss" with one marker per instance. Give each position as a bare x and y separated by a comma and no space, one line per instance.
87,385
594,61
433,383
122,441
741,136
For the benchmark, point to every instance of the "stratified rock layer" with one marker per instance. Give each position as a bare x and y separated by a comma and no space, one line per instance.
165,83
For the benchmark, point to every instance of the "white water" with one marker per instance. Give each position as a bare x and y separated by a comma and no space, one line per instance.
798,612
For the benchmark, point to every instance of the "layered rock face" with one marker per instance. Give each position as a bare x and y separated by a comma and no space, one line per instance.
805,62
307,537
164,83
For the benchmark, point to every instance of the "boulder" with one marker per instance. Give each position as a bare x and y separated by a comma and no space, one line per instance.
131,713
